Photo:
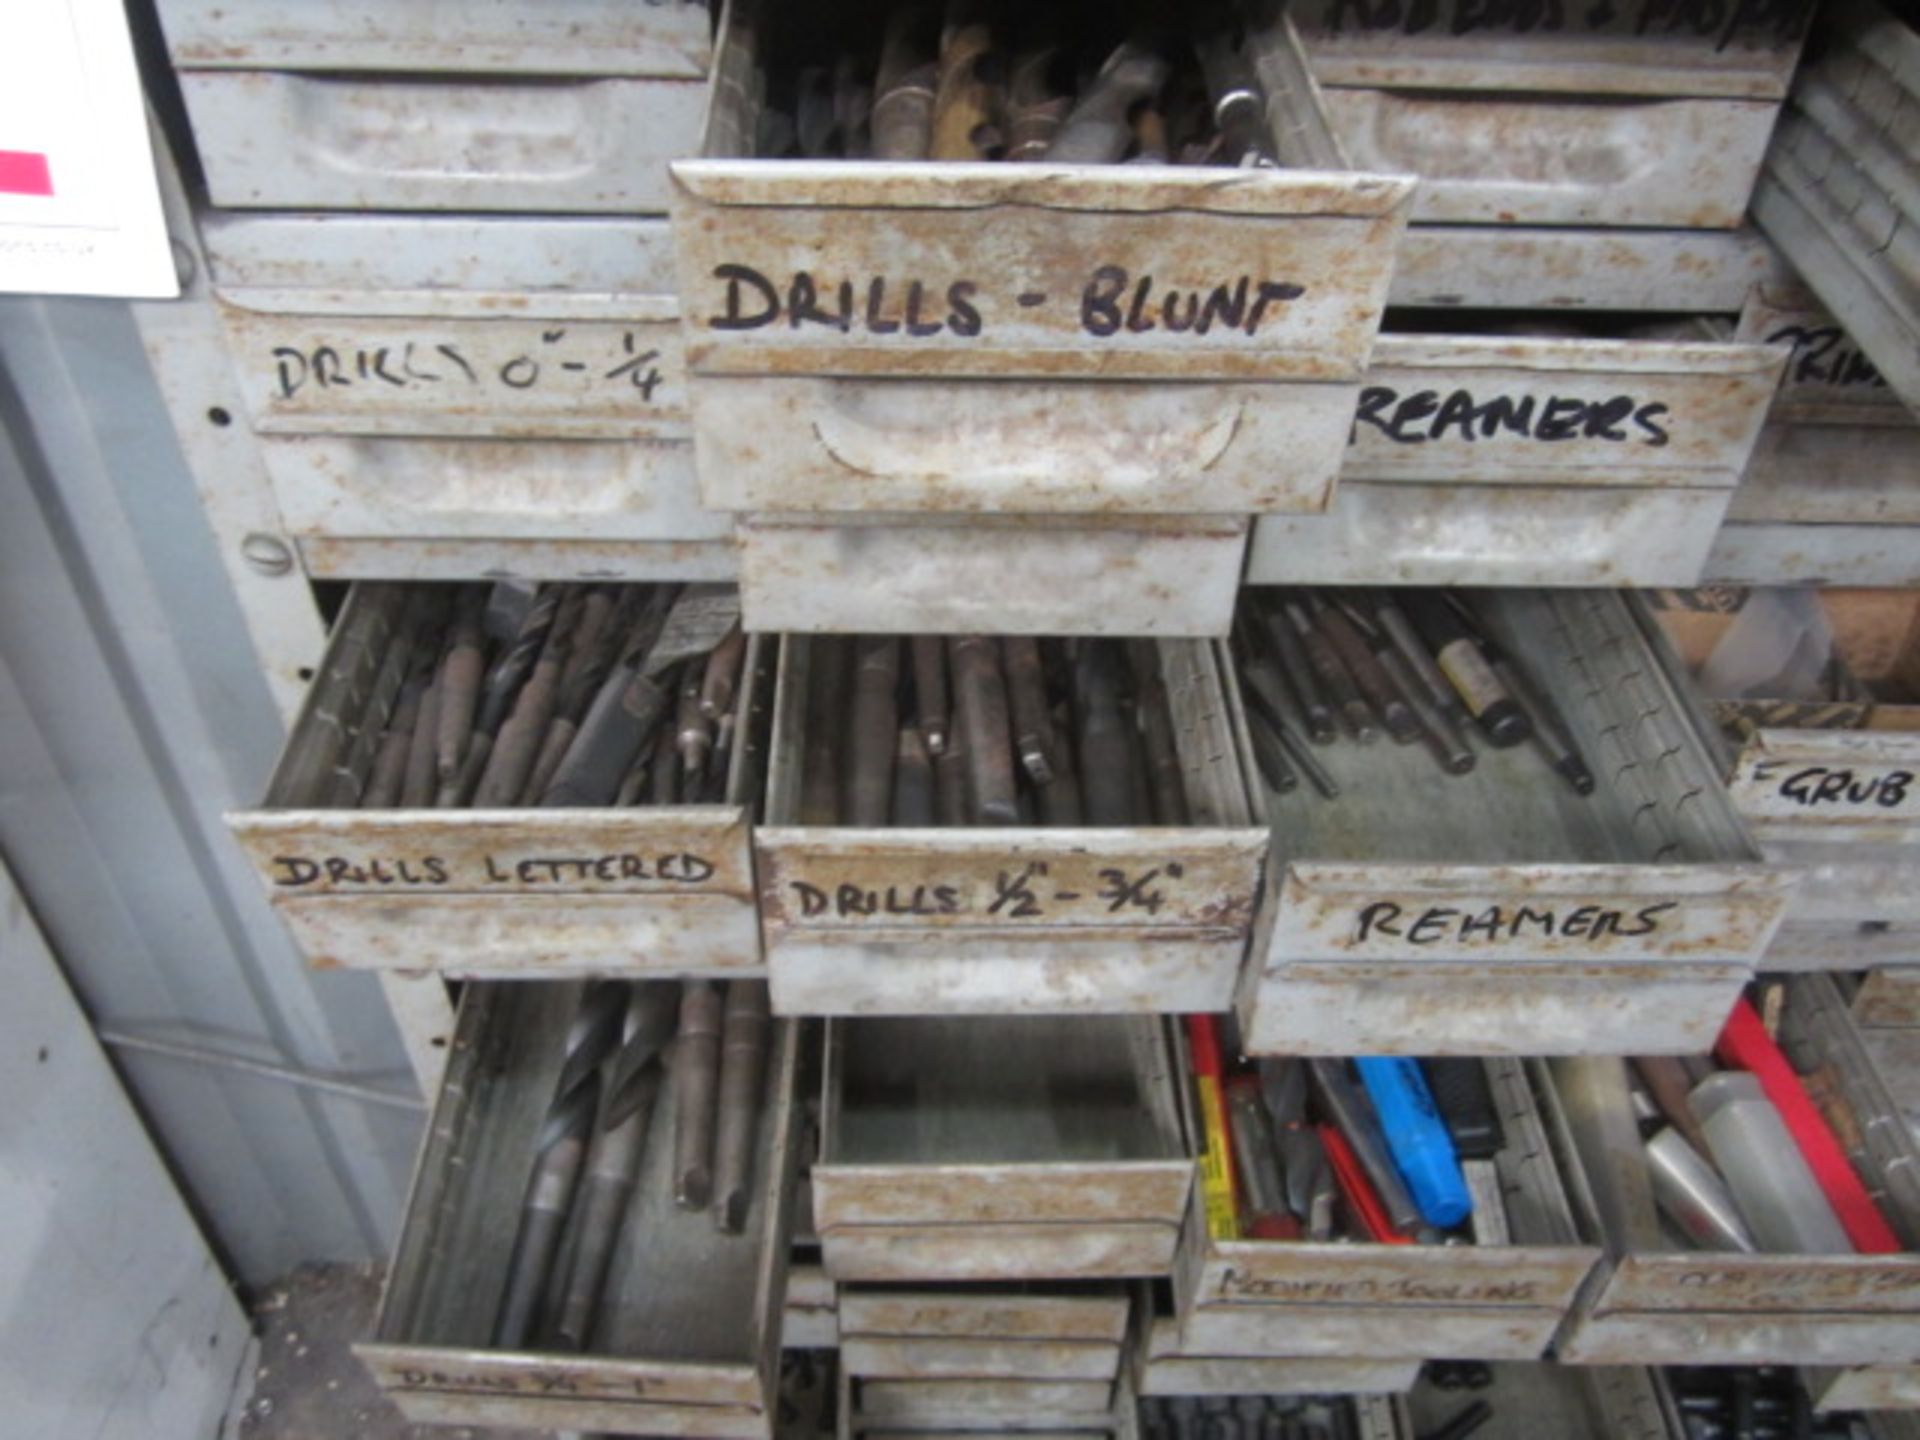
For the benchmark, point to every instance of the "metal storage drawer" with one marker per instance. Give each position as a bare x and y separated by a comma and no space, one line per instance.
281,140
1829,379
1086,920
1676,163
1866,1387
555,37
1518,460
1162,1366
1649,1303
982,1334
1013,575
1775,554
500,892
695,1347
1512,877
1059,277
1831,787
1038,1148
1299,1298
812,1318
1598,50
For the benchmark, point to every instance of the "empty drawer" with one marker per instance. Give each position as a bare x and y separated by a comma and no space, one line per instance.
973,919
689,1336
1652,1300
556,891
1004,1148
1500,912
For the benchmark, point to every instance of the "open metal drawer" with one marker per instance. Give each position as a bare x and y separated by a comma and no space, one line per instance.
567,891
690,1336
1000,1148
1082,920
1499,912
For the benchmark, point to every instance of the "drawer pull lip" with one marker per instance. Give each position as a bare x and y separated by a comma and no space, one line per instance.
1027,451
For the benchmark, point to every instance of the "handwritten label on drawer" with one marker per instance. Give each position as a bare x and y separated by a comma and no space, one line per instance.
951,880
1459,409
691,850
1853,777
1764,1282
397,375
1828,376
1331,912
812,268
1307,1274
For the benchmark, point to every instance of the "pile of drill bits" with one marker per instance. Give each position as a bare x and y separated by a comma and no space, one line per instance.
983,730
623,1042
1080,84
1248,1417
1416,665
555,695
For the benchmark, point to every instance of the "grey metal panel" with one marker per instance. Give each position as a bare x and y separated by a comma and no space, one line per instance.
132,711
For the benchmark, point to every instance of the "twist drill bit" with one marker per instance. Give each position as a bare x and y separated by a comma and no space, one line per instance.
396,744
1106,790
722,675
1027,700
1060,797
696,1074
873,731
634,1075
516,662
950,782
693,731
743,1064
903,87
1034,112
930,690
1097,130
663,773
517,744
962,98
980,693
1166,785
417,785
559,1152
597,643
1239,103
460,673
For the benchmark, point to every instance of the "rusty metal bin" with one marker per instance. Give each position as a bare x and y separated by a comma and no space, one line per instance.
1649,1302
1331,1300
553,892
692,1348
1163,1365
438,397
1000,1148
1828,785
982,1332
1498,912
1032,920
1029,402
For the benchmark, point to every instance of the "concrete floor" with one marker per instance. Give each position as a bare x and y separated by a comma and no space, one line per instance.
307,1385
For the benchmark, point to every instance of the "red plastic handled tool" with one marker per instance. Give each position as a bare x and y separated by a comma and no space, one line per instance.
1745,1044
1353,1182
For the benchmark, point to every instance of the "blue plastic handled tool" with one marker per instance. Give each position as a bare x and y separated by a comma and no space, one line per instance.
1417,1137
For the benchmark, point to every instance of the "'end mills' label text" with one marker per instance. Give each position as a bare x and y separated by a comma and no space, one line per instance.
1112,301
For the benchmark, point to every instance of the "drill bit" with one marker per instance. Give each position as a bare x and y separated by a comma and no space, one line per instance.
962,99
460,672
1034,111
418,783
1324,660
516,745
930,690
873,730
981,694
826,689
1165,782
912,781
1339,625
634,1073
722,675
396,744
1106,788
743,1063
696,1074
1097,131
903,87
1027,700
559,1152
1290,656
514,664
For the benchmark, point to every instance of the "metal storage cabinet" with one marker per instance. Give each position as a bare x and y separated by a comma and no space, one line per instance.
1085,920
1423,913
696,1350
477,892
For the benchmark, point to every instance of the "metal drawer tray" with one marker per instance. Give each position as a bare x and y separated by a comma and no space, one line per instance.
1003,1148
555,37
1827,554
1832,787
1409,1302
694,1347
1162,1366
1014,575
1086,920
1648,1303
1519,918
983,1333
280,140
1599,50
494,892
1829,378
